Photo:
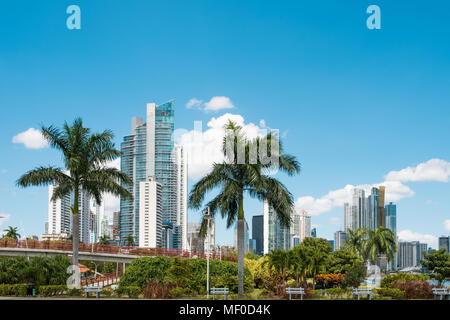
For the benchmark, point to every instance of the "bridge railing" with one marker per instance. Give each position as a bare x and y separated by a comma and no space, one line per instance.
103,280
102,248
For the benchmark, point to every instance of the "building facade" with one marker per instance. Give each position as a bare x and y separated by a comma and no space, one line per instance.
258,233
339,239
444,243
276,236
149,153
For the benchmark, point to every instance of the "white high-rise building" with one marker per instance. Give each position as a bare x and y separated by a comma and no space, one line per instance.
60,214
300,227
180,163
339,239
150,214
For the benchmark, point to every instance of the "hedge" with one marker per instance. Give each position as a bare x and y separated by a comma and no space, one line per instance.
391,292
13,290
55,290
389,280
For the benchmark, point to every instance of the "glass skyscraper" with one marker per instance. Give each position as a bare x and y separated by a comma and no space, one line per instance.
149,153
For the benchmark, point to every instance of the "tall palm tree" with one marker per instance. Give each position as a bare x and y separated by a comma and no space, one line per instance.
355,241
12,233
379,242
239,174
85,157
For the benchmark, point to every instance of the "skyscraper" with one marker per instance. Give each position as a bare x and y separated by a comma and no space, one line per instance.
410,253
60,214
258,233
339,239
444,243
276,236
150,214
149,154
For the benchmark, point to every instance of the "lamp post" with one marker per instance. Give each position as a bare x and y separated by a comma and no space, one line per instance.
208,218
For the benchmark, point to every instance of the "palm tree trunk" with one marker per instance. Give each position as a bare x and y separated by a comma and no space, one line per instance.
240,244
75,230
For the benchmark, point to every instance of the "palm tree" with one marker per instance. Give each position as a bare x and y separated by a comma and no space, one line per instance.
85,158
355,241
317,262
380,241
299,262
129,241
12,233
279,260
238,174
104,239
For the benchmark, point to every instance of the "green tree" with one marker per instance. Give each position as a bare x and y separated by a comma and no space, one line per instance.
300,262
356,240
343,260
129,240
85,158
380,241
245,170
437,262
104,239
12,233
317,263
279,260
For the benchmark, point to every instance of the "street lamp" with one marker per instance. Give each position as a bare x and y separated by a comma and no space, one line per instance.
208,219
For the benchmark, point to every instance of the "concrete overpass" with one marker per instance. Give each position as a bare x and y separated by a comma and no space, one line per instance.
82,255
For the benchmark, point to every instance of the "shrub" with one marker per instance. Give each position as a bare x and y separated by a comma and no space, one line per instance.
389,280
107,292
336,292
131,291
353,276
414,289
331,280
13,290
313,294
54,290
394,293
176,292
74,292
183,272
155,290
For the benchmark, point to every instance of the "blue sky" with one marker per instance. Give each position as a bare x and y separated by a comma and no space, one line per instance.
353,104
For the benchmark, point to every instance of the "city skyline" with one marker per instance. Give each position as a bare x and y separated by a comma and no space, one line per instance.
357,109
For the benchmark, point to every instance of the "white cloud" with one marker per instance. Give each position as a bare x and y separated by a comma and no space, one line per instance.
218,103
336,198
3,218
447,225
432,170
194,103
204,147
408,235
32,139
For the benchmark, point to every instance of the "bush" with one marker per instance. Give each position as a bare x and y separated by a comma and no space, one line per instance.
155,290
313,294
187,273
55,290
335,293
176,292
131,291
389,280
74,292
13,290
414,289
396,294
107,292
39,270
331,280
